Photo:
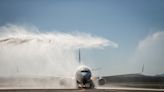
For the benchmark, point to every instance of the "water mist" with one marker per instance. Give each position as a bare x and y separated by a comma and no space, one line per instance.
27,52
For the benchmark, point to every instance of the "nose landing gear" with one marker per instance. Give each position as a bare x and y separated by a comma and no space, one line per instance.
88,85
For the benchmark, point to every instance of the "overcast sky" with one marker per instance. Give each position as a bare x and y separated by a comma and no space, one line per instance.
136,25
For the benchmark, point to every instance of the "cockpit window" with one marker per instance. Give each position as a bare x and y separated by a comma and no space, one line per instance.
85,71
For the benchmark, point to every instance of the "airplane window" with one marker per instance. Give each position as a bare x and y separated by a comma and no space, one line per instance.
85,71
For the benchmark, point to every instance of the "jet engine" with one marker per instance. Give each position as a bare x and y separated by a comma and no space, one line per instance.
101,81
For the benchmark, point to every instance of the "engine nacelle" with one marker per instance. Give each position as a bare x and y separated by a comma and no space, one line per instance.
101,81
62,82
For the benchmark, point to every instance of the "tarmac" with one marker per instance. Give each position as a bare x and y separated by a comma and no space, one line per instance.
100,89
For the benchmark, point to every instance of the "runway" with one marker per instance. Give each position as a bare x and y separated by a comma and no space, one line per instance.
101,89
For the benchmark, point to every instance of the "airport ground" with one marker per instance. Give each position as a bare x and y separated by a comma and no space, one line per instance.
101,89
48,84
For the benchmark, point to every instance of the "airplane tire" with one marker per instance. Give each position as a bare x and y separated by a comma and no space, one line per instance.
88,85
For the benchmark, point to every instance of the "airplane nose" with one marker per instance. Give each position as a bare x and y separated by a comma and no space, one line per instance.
86,75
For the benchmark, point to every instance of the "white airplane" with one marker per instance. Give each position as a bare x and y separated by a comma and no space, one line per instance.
84,78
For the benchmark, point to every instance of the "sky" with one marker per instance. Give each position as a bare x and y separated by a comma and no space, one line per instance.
136,25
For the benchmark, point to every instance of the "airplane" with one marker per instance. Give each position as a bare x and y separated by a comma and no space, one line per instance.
84,78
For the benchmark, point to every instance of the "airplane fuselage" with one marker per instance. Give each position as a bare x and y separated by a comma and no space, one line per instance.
83,77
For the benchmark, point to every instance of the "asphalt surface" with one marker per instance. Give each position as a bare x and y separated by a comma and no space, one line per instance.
85,90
